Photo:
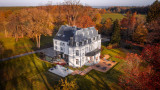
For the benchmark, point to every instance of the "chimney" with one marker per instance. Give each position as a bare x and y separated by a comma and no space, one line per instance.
71,41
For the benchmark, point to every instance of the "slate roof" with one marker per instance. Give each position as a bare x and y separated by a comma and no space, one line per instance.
92,53
78,34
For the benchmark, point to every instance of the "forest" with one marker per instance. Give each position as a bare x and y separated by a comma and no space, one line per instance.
138,27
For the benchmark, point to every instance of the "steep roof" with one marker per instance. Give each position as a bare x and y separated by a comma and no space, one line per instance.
78,34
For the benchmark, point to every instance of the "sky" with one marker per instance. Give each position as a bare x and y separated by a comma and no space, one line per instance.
84,2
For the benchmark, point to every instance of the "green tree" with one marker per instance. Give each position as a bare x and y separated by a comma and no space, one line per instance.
140,34
154,11
116,37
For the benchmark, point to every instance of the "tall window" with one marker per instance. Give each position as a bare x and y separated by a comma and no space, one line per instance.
61,43
55,42
77,61
56,47
86,49
61,49
77,52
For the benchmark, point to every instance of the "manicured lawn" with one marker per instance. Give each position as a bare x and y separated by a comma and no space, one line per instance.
27,72
103,81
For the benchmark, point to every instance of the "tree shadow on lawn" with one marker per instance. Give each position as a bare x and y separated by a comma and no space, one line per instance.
104,79
39,72
82,82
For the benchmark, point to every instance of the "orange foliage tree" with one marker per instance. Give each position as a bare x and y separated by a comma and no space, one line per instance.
84,22
137,74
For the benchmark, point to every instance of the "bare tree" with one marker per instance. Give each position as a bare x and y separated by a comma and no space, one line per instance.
71,8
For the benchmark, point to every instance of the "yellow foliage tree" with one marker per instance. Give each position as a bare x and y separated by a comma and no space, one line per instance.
140,34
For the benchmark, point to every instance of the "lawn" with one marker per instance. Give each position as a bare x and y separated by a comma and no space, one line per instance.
113,16
118,16
23,45
103,81
27,72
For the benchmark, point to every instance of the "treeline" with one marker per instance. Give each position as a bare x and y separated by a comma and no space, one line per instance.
122,9
134,27
33,22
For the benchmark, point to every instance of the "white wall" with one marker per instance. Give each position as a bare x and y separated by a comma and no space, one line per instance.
71,51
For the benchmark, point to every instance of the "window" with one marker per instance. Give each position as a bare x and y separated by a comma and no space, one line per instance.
55,47
63,44
61,49
77,61
77,44
55,42
86,49
77,52
82,59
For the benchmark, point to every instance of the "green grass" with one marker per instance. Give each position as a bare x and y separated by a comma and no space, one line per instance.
96,80
27,72
118,16
23,45
113,16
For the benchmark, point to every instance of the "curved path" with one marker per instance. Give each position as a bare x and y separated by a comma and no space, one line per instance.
24,54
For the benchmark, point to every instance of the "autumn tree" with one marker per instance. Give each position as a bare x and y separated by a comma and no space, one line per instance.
140,34
154,31
137,74
4,20
71,8
107,27
99,27
97,18
85,21
151,53
154,11
128,24
36,23
15,26
116,37
1,48
102,11
66,85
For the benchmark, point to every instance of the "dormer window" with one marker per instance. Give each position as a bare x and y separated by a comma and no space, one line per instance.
59,34
86,41
82,42
77,43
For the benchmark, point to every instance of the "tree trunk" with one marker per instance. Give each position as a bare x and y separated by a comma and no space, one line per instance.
5,31
39,40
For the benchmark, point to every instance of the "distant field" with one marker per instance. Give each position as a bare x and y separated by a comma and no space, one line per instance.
118,16
113,16
12,8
